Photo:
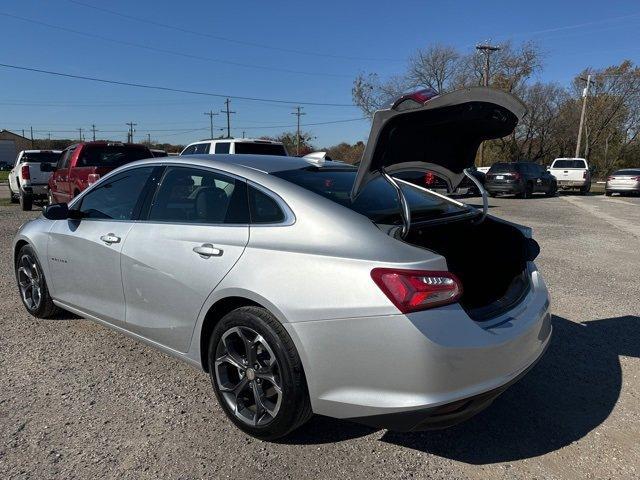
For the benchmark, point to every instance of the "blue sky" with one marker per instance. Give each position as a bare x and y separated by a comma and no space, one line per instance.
295,51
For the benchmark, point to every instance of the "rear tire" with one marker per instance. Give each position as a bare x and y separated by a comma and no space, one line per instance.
584,190
26,201
608,194
257,374
32,285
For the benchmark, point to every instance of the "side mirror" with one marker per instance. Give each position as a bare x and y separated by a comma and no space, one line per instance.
48,167
56,211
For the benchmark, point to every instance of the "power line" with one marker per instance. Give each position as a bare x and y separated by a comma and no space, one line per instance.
169,52
228,112
170,89
230,40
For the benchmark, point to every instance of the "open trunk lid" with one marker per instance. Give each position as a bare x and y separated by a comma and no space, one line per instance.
437,133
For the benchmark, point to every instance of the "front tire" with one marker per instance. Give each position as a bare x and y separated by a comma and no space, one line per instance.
257,374
32,285
553,190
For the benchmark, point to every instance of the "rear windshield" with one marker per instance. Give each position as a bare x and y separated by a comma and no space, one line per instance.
569,164
378,200
502,168
260,149
111,155
621,173
39,157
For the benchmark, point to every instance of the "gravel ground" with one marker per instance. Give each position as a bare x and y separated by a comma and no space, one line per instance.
80,401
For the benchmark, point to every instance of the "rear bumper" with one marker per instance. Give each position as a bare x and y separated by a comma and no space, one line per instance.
571,183
622,188
427,369
504,188
35,189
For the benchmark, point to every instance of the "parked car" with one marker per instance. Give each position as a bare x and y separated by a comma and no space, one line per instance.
236,146
625,181
82,164
29,176
158,153
572,173
522,179
303,288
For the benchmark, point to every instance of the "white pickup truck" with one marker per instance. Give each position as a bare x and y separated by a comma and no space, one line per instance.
27,181
571,173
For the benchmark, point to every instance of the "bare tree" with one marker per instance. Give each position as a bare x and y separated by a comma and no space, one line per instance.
435,67
370,94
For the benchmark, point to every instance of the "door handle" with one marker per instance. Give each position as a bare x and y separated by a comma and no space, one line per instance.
110,238
207,250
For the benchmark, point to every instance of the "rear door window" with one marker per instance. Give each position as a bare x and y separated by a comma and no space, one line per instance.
117,198
193,195
189,150
201,148
111,156
222,147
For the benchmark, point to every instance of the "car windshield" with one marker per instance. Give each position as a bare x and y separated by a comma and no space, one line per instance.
40,157
378,200
502,168
568,163
111,156
260,148
622,173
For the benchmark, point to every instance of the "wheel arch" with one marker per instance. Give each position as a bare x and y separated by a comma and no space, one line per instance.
19,244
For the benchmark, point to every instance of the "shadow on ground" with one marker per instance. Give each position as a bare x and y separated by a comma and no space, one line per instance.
571,391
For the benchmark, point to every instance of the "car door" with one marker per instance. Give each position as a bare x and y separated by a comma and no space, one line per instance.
84,253
58,182
195,230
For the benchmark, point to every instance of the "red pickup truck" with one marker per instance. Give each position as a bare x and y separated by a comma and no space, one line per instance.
82,164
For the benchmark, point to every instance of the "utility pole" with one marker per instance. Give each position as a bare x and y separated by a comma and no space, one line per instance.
80,133
93,130
149,139
243,134
228,112
49,142
585,94
131,130
298,113
31,136
211,115
486,50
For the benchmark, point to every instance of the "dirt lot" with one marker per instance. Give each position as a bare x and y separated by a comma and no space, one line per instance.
80,401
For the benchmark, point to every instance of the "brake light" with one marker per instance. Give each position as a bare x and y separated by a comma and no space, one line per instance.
584,174
414,99
610,178
637,179
413,290
429,178
25,173
93,178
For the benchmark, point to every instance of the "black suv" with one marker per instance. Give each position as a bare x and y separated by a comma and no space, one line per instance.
520,178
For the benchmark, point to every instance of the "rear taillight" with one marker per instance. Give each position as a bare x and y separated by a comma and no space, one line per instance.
25,173
93,178
610,178
412,290
637,179
429,178
584,174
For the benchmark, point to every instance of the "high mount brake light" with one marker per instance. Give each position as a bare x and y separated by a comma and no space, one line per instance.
429,178
414,99
413,290
24,171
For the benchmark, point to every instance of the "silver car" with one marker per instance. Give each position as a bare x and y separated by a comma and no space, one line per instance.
625,181
309,286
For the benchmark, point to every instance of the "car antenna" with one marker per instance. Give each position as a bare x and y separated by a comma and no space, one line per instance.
483,192
405,211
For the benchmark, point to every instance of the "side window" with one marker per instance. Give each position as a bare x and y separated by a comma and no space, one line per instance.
193,195
201,148
63,161
263,208
189,150
117,198
222,147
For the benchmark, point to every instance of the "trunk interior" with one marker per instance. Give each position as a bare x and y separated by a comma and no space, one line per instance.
490,259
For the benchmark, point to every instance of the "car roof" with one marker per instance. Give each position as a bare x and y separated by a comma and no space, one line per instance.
40,151
238,140
263,163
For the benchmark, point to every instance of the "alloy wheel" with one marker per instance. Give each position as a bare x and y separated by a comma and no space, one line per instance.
248,376
30,282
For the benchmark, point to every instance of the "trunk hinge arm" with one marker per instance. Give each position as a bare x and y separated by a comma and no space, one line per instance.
405,211
483,192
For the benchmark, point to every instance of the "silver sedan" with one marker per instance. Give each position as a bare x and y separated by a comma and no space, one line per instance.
309,286
625,181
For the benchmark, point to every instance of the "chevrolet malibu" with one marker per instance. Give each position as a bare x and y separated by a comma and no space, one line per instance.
308,286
